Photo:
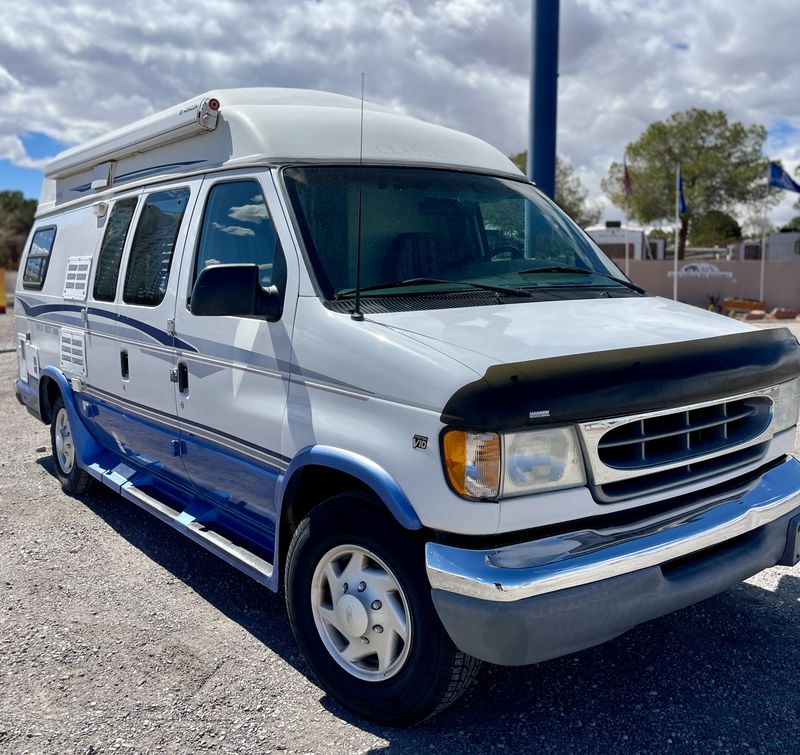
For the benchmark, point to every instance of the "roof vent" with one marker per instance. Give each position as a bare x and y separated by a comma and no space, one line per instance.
613,224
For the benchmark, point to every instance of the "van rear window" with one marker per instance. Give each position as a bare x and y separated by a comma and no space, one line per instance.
151,254
105,281
38,258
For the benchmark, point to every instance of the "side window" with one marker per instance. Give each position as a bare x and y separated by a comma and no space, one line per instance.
237,229
38,257
105,280
151,253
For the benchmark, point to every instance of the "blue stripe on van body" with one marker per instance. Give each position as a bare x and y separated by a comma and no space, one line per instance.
161,336
141,173
170,421
236,487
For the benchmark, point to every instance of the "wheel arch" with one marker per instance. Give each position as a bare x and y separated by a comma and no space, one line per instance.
53,383
319,472
49,389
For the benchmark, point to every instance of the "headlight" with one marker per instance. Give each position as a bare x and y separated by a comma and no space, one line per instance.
539,460
488,465
787,405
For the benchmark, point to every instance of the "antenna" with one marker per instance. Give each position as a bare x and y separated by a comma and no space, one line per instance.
357,314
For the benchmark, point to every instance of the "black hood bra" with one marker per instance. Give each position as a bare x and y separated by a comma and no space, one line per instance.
584,387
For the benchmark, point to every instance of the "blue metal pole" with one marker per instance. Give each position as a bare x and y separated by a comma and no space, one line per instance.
544,92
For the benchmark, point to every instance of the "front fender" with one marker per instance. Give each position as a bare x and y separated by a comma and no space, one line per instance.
367,471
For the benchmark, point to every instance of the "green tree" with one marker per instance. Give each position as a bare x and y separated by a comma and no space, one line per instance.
793,224
571,196
721,162
715,228
16,218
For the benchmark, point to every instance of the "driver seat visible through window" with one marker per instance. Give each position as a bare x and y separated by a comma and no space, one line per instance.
412,255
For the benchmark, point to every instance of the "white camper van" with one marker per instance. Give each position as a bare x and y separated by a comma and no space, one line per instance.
361,358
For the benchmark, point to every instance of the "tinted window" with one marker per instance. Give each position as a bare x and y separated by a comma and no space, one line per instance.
153,245
105,281
38,257
421,223
237,229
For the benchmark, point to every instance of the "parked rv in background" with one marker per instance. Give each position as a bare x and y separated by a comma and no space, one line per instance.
612,236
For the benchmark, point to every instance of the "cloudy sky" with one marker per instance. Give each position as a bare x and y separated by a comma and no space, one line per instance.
70,70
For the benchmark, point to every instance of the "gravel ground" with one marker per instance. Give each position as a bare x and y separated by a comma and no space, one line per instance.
117,634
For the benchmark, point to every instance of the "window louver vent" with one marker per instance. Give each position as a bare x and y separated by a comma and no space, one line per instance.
77,279
73,352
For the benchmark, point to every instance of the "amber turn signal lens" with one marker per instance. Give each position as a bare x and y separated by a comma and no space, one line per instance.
472,461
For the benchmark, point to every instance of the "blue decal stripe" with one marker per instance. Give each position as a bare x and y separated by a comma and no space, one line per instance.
141,173
155,333
125,403
155,169
159,335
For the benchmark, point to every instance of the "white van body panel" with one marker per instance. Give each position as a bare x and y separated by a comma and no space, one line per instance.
376,410
482,336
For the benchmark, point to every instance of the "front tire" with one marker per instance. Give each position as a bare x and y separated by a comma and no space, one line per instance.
73,479
360,607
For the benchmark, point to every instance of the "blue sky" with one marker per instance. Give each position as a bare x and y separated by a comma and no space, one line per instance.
14,178
37,146
69,72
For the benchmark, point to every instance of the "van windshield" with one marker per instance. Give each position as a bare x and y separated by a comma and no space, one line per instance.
432,231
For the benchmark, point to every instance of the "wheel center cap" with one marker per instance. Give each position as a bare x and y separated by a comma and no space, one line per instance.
351,615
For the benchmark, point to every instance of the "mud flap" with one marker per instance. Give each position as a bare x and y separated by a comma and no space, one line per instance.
792,553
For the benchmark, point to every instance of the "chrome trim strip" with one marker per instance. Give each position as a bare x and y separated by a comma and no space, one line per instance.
560,562
229,442
230,364
592,432
300,380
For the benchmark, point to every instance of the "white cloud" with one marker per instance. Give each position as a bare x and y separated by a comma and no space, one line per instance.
75,69
234,230
249,213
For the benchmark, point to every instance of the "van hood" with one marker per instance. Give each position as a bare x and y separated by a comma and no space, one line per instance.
483,336
572,361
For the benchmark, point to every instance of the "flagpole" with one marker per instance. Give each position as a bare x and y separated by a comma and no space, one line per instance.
626,186
627,271
677,231
763,244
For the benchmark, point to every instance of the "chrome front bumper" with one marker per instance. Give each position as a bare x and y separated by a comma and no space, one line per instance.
583,557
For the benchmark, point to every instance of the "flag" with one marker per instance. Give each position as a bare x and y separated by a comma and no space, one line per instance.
626,178
681,198
779,178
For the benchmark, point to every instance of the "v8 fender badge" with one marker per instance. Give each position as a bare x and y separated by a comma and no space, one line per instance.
541,414
420,442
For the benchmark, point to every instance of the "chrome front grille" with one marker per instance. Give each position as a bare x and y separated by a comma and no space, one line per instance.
648,453
655,441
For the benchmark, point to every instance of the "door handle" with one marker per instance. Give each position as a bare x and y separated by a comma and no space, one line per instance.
183,377
124,366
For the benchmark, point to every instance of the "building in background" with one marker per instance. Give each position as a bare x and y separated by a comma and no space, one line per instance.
613,236
780,245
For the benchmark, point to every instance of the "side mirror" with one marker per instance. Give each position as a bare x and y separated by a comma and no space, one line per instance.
235,290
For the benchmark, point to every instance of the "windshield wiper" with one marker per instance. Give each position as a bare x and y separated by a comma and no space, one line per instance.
348,292
582,271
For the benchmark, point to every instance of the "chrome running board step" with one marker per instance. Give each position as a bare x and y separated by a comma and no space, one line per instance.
184,521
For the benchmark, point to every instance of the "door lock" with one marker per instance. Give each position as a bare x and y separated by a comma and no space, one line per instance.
173,375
